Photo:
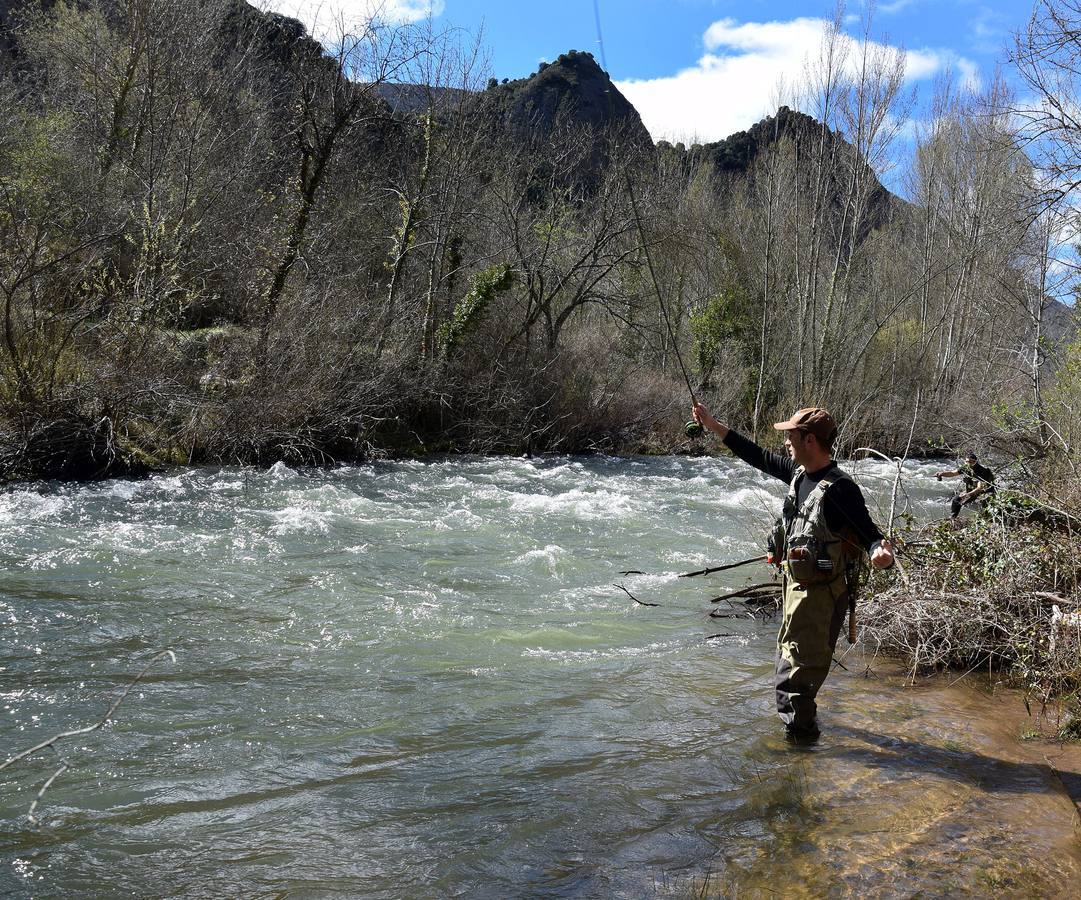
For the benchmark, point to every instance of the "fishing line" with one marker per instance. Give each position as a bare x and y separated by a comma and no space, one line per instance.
657,289
692,429
600,39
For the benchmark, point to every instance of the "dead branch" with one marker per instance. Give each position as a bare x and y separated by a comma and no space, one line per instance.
725,568
51,742
635,599
753,591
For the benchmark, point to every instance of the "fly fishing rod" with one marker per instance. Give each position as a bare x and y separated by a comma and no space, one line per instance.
692,429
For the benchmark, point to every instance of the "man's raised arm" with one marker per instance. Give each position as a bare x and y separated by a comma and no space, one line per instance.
775,464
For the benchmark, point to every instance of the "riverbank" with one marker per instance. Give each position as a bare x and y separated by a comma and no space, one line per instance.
925,787
993,591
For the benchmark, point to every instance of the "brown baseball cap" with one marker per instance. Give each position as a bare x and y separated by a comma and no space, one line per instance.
813,420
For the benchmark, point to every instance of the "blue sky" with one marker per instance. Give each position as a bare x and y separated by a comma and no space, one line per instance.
703,69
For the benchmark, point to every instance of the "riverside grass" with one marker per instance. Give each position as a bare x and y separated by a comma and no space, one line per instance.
982,593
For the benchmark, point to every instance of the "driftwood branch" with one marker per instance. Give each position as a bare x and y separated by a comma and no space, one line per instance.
48,784
635,599
76,732
725,568
753,590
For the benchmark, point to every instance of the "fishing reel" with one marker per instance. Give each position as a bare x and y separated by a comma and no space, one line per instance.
692,429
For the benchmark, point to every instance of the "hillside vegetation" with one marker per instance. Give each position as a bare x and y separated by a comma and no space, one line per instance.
221,243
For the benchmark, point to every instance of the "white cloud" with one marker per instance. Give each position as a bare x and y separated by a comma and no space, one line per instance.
989,31
325,19
737,82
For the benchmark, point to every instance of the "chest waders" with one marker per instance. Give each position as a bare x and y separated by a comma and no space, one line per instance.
814,564
971,481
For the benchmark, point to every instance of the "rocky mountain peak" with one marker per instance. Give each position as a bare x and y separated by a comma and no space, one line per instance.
574,91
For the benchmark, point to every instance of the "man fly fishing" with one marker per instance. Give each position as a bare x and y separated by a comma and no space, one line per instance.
979,482
823,530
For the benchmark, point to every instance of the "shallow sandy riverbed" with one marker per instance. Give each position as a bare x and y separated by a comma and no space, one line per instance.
924,789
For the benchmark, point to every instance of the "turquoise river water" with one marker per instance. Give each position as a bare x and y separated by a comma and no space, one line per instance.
420,679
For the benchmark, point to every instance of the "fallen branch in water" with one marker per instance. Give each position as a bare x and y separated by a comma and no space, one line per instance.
725,568
715,636
753,592
635,599
56,738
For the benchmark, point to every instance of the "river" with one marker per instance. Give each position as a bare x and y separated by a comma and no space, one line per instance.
420,679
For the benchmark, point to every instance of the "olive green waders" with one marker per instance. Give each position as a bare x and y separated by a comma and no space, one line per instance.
815,595
810,625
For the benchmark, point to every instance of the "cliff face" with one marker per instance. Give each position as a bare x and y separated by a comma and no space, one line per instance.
275,38
735,155
571,92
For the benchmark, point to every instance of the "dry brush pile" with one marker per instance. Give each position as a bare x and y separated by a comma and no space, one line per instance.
998,592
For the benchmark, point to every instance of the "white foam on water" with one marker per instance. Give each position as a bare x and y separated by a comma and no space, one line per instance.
365,509
548,557
689,559
879,469
496,494
412,604
327,580
329,639
576,503
299,520
53,559
459,517
20,507
660,484
659,648
642,582
122,490
127,536
173,485
754,498
224,485
455,481
280,471
710,482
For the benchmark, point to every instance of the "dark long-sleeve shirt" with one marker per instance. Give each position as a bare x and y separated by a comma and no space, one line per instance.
844,504
977,475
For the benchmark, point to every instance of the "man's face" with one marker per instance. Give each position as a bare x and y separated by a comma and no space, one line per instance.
795,442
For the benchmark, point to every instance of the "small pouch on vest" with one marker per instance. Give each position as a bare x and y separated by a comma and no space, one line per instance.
810,564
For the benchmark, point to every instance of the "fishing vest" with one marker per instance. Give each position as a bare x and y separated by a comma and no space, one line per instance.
810,551
973,481
969,477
